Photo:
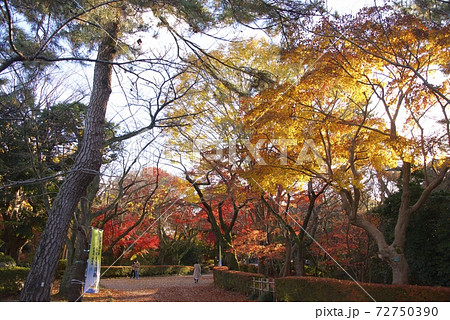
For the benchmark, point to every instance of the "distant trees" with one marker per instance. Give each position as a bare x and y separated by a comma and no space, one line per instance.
39,141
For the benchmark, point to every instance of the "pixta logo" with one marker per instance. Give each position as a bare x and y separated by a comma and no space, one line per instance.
207,150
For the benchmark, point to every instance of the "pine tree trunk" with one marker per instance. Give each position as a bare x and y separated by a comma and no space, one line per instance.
87,164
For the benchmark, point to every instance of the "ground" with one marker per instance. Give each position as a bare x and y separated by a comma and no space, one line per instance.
170,289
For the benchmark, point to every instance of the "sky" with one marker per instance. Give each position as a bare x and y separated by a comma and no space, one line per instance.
349,6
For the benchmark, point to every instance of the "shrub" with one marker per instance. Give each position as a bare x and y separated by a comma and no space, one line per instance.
266,297
234,280
165,270
62,264
145,271
248,268
6,261
332,290
115,271
12,280
206,269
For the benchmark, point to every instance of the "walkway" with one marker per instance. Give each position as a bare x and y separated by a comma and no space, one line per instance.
169,288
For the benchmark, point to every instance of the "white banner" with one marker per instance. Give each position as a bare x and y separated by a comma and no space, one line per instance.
92,278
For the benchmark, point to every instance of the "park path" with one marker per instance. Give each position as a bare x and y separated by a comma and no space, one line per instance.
163,289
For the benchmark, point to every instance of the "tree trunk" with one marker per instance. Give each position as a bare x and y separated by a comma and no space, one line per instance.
87,164
230,259
79,266
394,253
261,266
400,270
299,260
398,263
14,247
64,285
286,269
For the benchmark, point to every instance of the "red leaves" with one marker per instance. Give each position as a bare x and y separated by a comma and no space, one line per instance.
142,242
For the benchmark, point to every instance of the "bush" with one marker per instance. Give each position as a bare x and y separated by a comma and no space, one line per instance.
12,280
145,271
115,271
62,264
248,268
332,290
6,261
234,280
266,297
165,270
206,269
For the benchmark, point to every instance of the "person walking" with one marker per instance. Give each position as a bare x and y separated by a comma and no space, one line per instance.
197,272
133,270
137,265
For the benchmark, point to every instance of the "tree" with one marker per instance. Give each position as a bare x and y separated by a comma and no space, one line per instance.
222,204
296,233
183,234
426,247
436,11
39,141
382,56
407,87
86,166
147,196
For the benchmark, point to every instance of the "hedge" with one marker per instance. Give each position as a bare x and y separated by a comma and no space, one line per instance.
333,290
12,280
154,270
234,280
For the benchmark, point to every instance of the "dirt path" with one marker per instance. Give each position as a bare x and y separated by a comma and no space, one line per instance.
170,289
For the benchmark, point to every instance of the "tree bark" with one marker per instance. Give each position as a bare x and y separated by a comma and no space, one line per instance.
79,266
299,260
393,254
82,243
64,285
400,269
222,232
231,260
398,263
286,269
87,164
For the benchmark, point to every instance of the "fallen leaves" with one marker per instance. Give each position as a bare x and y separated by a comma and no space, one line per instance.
163,289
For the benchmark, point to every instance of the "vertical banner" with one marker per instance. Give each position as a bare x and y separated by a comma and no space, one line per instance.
92,278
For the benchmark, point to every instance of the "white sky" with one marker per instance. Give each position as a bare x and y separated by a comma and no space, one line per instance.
350,6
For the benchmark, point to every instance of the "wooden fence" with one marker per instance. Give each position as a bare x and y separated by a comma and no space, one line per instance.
261,286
